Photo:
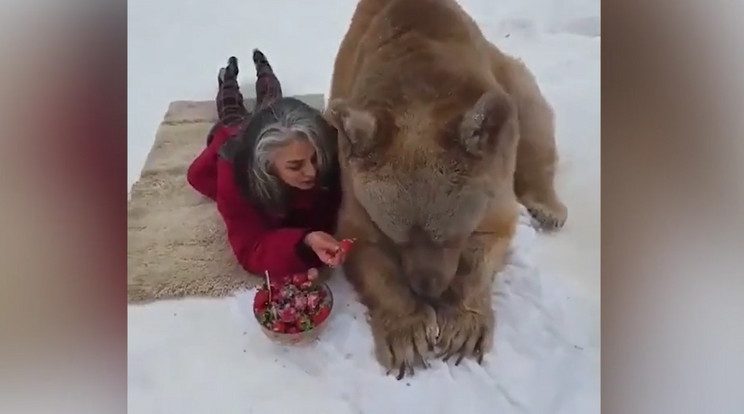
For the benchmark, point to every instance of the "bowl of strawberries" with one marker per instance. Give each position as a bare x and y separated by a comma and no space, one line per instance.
293,312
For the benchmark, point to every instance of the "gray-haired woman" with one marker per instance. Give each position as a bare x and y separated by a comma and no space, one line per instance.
274,176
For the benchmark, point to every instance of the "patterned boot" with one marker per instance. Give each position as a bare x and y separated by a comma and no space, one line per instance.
229,100
268,88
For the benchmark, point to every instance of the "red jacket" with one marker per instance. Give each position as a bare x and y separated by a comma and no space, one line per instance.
262,242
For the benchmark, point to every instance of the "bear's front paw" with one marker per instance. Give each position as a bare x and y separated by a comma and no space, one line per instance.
403,341
465,332
550,216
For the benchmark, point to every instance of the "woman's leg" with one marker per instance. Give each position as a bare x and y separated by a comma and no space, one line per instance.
229,100
268,88
230,107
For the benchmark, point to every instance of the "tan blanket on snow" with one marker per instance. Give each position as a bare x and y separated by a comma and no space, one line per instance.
177,245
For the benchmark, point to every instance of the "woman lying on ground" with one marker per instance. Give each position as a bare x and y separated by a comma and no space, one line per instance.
274,176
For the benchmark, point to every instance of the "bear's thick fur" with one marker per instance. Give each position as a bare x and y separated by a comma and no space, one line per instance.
439,135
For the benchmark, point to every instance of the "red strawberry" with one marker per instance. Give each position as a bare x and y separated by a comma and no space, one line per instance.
312,274
261,299
300,302
346,245
288,314
321,315
313,300
292,329
279,326
299,278
257,308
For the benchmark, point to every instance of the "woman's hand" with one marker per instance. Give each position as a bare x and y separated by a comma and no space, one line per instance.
325,247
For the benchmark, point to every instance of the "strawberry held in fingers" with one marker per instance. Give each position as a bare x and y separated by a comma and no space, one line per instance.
345,245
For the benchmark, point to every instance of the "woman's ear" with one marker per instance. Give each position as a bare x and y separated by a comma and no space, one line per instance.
357,126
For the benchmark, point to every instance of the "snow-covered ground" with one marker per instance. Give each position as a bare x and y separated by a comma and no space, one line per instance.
203,356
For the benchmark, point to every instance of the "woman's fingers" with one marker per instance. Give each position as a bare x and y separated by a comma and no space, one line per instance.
329,246
329,251
327,257
340,257
330,242
337,259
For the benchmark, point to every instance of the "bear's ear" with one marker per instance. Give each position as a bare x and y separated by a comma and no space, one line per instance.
357,126
488,122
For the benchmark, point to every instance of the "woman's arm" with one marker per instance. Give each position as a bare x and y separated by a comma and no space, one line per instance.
202,173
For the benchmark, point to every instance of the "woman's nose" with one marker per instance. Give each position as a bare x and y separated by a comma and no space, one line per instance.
309,170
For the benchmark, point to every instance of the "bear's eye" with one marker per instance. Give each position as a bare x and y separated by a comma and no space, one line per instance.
358,149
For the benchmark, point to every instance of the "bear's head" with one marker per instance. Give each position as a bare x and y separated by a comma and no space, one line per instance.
427,174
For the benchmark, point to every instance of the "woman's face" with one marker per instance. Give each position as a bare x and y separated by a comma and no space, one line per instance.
295,164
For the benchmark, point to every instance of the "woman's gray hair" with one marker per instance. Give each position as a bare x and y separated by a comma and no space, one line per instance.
273,127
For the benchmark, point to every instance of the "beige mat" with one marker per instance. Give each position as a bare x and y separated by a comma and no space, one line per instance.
177,245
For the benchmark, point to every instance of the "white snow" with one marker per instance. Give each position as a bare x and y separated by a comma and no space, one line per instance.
207,355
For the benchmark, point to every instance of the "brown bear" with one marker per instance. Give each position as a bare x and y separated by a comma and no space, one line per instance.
440,135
